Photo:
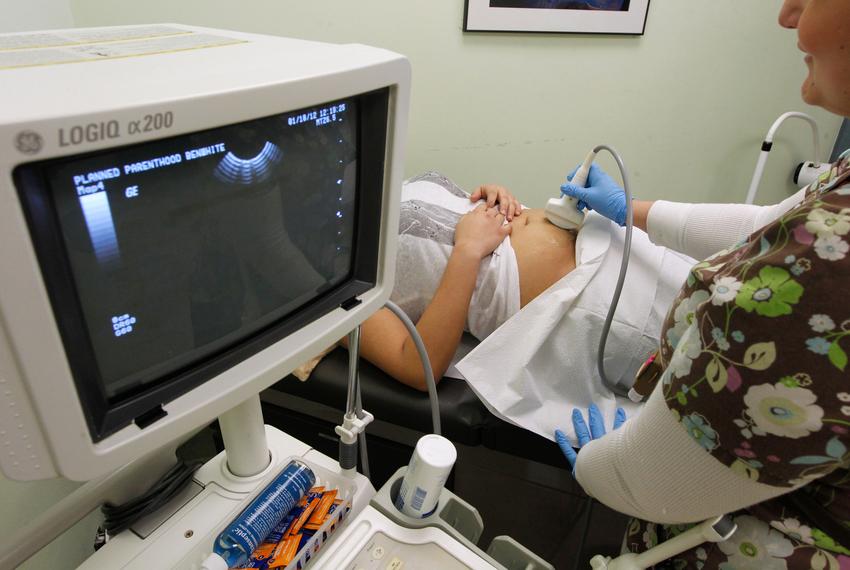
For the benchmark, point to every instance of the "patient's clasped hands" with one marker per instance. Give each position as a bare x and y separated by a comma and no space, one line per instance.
494,194
481,231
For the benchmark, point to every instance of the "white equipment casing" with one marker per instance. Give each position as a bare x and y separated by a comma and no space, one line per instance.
428,547
43,428
186,538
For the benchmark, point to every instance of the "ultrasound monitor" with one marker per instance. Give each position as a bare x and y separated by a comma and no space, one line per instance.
188,233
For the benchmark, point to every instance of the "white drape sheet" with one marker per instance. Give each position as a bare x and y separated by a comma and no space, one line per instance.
541,363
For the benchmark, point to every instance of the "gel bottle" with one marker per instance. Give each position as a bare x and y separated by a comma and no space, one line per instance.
235,544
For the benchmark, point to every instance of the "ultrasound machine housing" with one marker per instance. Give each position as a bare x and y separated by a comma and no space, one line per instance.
73,107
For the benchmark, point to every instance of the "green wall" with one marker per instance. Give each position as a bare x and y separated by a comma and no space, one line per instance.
687,104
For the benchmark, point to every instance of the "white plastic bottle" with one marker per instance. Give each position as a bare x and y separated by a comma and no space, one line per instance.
427,472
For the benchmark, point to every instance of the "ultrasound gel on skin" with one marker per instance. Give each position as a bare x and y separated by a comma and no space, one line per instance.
235,544
429,468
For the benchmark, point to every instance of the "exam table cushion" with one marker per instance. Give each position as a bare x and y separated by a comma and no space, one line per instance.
461,413
464,418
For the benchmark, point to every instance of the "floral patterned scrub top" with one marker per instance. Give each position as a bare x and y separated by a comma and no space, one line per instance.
755,355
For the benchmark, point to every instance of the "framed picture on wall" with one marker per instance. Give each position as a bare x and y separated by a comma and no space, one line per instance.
558,16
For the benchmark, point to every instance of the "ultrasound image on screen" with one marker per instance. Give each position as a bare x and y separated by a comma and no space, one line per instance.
180,248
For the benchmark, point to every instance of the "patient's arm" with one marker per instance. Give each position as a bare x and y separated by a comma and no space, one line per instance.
385,341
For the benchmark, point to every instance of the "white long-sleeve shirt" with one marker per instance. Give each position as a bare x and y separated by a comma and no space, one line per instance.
651,468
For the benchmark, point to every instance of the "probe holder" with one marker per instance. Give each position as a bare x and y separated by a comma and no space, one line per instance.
460,520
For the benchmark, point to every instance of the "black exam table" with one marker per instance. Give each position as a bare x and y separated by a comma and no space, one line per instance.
508,473
464,418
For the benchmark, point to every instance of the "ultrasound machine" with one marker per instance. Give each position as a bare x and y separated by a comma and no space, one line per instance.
187,215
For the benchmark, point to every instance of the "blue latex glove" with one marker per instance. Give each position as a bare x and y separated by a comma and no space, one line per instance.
601,194
584,436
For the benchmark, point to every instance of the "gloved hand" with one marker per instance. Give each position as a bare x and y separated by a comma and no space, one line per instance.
601,194
597,430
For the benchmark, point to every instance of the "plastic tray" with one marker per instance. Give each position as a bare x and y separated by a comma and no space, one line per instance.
345,491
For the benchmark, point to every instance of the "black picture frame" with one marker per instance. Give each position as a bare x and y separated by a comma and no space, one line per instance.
623,17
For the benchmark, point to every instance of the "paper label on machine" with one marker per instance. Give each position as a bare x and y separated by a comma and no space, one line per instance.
26,50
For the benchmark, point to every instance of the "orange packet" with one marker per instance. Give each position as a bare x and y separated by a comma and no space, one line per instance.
285,552
263,551
277,555
296,527
321,513
308,495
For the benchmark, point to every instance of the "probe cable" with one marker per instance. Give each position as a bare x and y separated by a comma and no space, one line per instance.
426,364
624,265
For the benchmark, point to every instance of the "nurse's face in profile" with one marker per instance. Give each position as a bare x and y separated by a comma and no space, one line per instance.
823,31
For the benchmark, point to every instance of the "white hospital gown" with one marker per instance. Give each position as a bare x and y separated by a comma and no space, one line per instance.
431,207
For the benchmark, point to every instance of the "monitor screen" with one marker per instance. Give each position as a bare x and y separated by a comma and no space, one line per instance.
182,248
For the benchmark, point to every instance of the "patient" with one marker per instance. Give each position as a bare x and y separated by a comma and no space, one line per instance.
461,266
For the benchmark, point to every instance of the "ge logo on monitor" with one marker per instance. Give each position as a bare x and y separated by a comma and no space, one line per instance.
29,142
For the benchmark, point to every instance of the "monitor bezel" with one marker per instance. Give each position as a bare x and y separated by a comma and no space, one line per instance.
106,416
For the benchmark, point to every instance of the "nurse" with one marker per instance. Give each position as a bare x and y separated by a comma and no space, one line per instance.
752,413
